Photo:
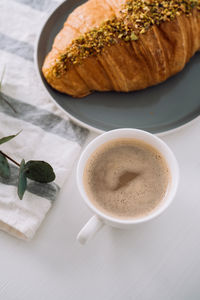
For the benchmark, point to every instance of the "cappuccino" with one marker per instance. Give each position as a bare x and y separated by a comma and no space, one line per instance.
126,178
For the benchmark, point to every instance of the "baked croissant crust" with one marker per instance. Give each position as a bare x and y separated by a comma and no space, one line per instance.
122,46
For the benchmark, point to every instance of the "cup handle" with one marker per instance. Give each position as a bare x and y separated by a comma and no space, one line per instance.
90,229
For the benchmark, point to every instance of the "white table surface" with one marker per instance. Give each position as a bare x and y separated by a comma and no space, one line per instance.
157,260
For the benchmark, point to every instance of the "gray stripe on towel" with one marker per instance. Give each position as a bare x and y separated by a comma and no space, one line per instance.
16,47
43,119
48,190
39,4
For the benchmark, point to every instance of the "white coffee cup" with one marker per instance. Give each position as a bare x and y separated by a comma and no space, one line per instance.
100,219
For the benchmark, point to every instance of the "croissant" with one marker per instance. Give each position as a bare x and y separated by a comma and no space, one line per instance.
122,45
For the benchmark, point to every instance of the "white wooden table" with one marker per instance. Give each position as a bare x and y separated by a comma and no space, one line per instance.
158,260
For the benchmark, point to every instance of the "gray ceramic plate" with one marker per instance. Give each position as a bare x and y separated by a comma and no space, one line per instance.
157,109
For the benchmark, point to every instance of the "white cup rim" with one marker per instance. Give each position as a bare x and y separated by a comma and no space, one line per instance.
109,218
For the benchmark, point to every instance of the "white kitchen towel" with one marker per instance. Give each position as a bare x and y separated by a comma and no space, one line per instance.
47,134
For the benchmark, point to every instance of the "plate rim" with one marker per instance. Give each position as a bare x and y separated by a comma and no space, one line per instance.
76,120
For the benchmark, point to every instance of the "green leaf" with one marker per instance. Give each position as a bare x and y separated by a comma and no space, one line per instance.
39,171
8,138
22,180
4,167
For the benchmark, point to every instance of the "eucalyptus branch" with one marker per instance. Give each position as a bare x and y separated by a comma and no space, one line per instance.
11,159
36,170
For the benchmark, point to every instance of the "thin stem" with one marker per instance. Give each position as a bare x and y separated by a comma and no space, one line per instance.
8,103
2,75
8,157
3,98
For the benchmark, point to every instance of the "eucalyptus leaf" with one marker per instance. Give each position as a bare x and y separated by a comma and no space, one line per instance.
22,180
40,171
4,167
8,138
